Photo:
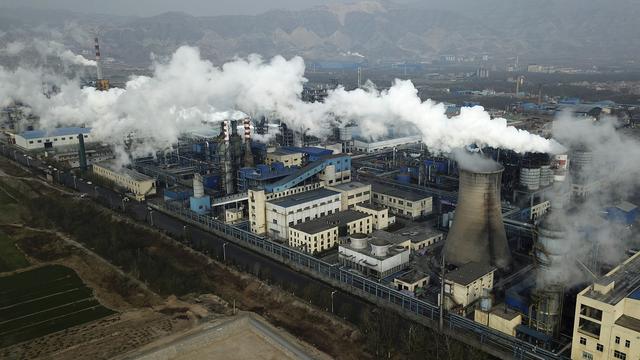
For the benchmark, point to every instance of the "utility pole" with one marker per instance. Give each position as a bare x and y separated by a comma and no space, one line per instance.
224,252
441,322
332,293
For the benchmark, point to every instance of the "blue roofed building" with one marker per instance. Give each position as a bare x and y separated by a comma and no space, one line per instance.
50,139
624,212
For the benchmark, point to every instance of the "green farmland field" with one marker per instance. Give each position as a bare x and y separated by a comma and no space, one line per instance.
42,301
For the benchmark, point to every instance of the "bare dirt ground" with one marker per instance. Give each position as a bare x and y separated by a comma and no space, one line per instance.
145,316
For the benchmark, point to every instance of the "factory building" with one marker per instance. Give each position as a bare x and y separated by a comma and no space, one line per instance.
380,215
286,157
412,281
371,146
49,140
372,256
323,233
499,318
353,193
607,317
464,285
421,237
138,184
285,212
258,203
403,203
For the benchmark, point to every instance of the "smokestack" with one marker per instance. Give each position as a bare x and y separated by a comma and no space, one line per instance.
248,155
82,153
477,233
102,84
98,62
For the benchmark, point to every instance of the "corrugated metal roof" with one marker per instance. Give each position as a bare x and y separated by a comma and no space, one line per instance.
66,131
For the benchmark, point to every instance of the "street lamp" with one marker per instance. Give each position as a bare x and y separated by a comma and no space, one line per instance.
332,293
224,252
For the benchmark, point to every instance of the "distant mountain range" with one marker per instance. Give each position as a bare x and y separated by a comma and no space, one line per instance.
545,31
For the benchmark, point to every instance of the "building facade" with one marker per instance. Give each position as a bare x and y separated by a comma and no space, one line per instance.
46,140
380,215
324,233
607,317
464,285
403,203
138,184
353,193
288,158
285,212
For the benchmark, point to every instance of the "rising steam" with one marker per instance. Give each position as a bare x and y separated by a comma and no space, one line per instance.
187,92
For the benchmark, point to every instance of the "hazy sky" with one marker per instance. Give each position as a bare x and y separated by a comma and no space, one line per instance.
154,7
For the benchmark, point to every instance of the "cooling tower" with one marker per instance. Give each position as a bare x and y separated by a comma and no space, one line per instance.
477,233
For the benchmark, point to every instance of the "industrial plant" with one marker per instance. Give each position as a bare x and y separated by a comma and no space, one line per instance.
480,237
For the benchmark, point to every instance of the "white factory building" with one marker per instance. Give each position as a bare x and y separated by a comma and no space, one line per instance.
372,256
295,209
138,184
371,146
55,138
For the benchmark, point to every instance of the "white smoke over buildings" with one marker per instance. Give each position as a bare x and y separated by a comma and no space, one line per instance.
186,92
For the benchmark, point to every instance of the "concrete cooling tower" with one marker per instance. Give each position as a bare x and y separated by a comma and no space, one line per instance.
477,233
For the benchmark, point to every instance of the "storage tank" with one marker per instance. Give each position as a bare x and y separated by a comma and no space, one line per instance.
198,187
379,247
546,175
359,241
530,178
346,133
477,233
559,165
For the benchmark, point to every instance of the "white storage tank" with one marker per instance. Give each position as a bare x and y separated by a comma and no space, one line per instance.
546,175
359,241
530,178
379,247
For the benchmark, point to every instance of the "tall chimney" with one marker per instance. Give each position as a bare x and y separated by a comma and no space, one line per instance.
477,233
248,155
82,153
98,61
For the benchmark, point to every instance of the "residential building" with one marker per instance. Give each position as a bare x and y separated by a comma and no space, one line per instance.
607,317
464,285
55,138
323,233
285,212
140,185
352,193
403,203
380,214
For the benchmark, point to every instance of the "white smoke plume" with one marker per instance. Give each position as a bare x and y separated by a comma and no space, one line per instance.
186,92
590,239
47,48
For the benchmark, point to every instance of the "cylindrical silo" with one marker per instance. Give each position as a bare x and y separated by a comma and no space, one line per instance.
477,233
198,186
530,178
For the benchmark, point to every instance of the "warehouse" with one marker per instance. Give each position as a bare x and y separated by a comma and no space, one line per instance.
55,138
138,184
321,234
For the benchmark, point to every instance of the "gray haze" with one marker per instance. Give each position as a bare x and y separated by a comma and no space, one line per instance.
582,33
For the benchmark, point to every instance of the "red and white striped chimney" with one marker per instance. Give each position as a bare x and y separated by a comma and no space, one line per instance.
98,62
247,130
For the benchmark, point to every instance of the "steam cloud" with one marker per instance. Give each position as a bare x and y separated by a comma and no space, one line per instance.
186,92
614,175
47,48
